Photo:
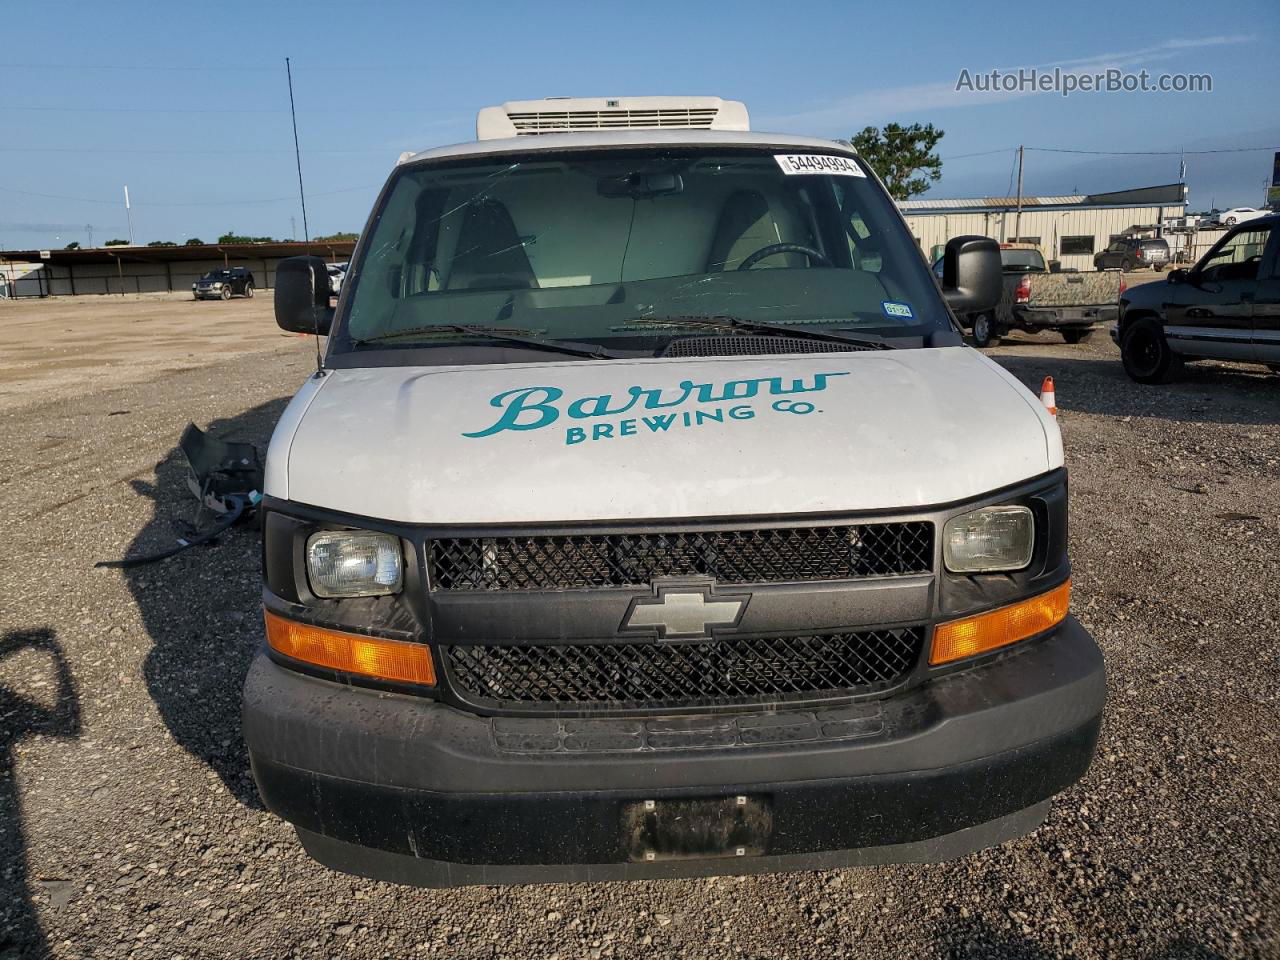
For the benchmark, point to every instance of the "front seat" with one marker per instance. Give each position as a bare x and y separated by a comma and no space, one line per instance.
490,254
745,225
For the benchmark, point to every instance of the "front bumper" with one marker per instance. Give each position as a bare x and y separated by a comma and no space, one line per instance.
403,788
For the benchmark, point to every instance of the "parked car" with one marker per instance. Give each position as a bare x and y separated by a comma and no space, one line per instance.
1229,218
686,542
337,274
1133,253
1226,307
1036,298
223,284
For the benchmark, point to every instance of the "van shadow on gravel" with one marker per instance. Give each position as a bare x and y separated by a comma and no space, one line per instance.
1204,393
202,609
24,713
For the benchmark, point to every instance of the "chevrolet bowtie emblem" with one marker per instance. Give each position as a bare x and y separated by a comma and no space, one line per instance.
682,611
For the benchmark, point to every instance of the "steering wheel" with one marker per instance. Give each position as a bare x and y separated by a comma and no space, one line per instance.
768,251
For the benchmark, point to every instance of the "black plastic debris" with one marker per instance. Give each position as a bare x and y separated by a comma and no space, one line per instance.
226,479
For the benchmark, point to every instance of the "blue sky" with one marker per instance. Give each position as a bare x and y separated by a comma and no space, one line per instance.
187,104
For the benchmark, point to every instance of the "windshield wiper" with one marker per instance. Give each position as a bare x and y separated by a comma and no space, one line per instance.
726,322
526,338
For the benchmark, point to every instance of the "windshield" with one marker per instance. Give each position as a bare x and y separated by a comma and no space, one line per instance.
216,275
1021,261
596,245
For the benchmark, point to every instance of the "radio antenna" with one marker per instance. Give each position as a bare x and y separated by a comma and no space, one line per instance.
302,197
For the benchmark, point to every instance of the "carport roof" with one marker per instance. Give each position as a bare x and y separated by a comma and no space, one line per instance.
1166,195
339,250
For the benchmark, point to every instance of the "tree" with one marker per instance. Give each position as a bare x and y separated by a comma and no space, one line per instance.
899,153
73,245
161,243
230,237
194,242
116,243
340,237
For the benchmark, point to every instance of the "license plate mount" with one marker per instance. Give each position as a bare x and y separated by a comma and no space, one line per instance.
696,828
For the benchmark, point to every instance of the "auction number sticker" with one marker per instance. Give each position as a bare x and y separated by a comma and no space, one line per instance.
796,163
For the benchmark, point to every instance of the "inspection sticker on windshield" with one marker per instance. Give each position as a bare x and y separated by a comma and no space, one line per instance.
892,309
794,163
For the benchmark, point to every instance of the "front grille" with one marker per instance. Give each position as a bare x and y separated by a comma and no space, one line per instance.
737,345
656,674
793,554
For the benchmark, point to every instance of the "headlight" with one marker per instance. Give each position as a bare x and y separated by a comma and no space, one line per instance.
988,540
217,286
353,563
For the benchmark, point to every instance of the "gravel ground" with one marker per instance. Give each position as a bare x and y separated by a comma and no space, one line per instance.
129,826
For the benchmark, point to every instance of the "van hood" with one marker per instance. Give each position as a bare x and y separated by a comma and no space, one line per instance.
652,439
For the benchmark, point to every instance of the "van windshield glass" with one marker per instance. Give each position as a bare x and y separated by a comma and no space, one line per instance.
595,245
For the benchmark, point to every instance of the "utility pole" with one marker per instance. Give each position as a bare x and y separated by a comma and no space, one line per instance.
128,213
1017,220
88,228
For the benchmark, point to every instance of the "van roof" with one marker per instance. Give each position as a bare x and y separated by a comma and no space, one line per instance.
553,142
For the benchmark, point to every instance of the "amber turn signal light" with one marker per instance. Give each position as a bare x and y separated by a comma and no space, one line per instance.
350,652
998,628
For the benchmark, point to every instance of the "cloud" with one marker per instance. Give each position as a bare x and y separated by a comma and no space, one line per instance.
76,228
862,108
414,140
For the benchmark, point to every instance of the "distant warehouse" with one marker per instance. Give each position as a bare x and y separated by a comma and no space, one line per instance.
137,269
1070,229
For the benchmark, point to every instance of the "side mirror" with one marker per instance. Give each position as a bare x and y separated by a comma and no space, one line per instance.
971,275
1179,276
302,296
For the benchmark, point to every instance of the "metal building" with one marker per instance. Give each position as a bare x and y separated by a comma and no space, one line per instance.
1069,229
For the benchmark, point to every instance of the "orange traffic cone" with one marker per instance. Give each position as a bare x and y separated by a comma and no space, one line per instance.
1047,396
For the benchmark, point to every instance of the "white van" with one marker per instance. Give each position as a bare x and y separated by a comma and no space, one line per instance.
639,523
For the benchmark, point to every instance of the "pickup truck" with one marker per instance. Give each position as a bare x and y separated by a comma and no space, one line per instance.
1035,298
1226,307
631,527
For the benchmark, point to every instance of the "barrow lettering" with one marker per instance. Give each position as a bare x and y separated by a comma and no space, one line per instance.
531,408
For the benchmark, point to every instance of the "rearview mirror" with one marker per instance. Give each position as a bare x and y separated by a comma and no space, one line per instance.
1178,276
302,296
971,277
640,186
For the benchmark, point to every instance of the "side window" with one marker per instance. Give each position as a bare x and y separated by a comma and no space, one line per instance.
1074,246
1238,258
